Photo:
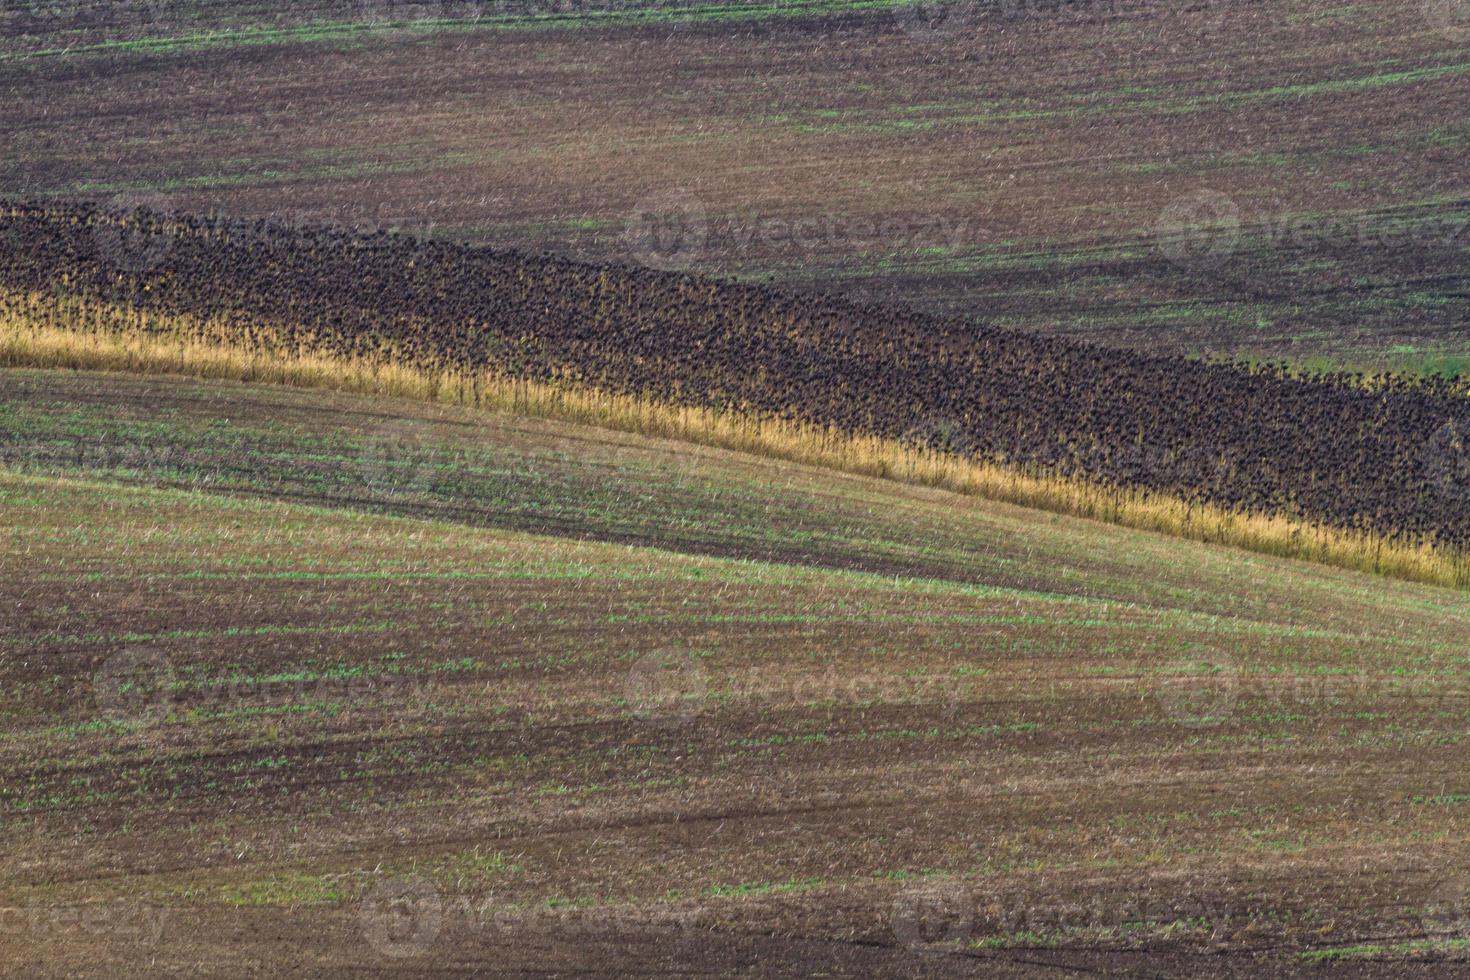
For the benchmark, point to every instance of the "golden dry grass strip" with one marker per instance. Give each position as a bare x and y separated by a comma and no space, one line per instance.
46,331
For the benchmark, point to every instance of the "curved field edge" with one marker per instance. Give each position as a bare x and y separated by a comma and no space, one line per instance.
112,338
904,734
481,468
1383,457
1306,115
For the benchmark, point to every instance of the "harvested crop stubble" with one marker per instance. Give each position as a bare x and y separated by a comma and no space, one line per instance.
1380,456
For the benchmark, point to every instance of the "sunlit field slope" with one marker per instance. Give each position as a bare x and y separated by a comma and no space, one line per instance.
312,683
1280,178
1367,472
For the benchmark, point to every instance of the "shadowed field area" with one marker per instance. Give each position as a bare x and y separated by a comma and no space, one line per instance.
1268,178
282,691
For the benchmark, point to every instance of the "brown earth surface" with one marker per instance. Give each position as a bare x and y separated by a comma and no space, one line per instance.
247,734
1274,178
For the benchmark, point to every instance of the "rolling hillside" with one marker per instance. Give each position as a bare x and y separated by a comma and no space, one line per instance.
1366,472
311,683
1256,178
785,488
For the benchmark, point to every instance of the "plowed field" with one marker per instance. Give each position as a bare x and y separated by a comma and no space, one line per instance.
1251,177
280,692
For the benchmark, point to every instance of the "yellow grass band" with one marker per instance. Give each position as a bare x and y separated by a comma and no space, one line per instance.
46,331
